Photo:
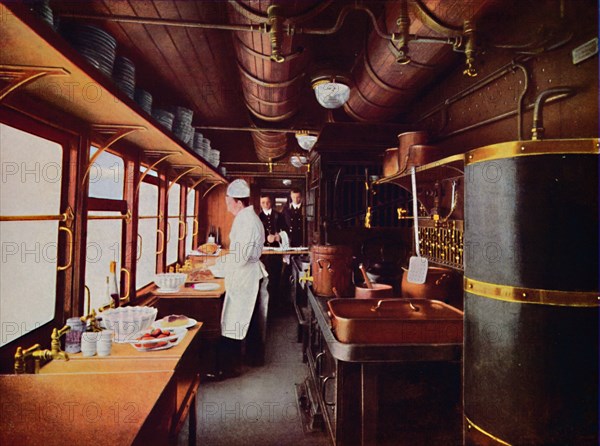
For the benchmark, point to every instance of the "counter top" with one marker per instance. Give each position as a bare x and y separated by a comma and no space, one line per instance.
129,397
189,292
63,409
378,352
121,357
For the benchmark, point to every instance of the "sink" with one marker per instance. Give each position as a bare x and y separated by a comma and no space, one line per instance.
395,321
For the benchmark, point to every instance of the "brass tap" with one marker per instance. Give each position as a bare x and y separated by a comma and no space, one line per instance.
90,321
21,355
55,351
307,277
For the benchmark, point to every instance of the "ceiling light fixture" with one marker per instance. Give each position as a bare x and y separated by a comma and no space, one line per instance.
306,140
298,160
331,90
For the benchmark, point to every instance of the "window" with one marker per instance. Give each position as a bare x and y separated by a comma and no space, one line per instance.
103,246
30,186
173,223
107,176
105,224
147,232
191,224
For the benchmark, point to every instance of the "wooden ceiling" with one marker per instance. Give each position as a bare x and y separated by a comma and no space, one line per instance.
198,67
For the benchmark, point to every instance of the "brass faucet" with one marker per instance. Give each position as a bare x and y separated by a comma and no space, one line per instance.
38,354
21,355
306,277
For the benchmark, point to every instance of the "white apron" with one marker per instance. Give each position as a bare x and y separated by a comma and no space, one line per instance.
242,271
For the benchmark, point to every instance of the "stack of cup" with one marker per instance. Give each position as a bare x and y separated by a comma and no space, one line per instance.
104,344
89,342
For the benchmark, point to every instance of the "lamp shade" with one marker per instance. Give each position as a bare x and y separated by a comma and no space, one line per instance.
298,160
305,140
331,94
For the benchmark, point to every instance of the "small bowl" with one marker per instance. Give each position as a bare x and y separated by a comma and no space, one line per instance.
126,322
379,291
169,282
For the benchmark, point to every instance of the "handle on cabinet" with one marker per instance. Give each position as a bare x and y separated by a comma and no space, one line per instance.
324,388
184,229
318,364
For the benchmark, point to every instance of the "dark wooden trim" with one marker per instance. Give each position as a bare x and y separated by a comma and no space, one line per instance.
106,204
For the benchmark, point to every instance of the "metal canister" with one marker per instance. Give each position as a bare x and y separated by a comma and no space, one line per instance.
73,336
531,296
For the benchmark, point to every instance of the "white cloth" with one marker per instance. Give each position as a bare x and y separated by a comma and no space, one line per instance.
242,270
285,245
267,212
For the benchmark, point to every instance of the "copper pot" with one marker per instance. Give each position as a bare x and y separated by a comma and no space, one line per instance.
331,267
441,284
379,291
405,141
390,162
421,154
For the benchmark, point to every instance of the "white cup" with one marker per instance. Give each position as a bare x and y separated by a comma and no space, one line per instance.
104,347
211,239
89,341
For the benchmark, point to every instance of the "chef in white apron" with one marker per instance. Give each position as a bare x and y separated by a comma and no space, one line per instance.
244,276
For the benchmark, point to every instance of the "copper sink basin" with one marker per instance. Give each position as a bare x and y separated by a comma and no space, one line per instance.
395,321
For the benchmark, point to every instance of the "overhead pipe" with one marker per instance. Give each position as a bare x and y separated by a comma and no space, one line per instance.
537,132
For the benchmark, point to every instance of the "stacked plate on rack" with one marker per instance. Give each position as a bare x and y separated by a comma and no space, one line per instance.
94,44
164,117
124,75
42,9
144,100
197,145
182,125
214,157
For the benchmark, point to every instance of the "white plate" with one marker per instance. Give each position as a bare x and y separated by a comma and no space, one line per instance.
167,290
191,323
206,286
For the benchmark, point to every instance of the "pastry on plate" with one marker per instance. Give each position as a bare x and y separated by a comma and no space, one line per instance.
175,320
208,248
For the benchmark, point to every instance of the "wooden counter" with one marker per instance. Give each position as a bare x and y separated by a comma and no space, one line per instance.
129,397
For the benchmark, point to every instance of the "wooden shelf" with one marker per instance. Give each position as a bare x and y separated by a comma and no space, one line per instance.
74,86
445,169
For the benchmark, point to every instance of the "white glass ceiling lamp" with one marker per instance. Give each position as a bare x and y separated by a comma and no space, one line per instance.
298,160
331,91
306,140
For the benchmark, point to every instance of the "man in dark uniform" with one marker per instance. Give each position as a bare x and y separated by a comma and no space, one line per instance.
294,218
273,223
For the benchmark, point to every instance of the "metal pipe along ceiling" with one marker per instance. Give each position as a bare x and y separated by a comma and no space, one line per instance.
271,88
384,88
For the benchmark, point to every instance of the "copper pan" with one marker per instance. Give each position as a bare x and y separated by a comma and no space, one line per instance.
405,141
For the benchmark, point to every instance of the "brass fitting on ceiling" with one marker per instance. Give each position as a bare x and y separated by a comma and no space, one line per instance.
275,21
470,48
400,40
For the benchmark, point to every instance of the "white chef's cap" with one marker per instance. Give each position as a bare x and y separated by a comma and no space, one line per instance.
238,189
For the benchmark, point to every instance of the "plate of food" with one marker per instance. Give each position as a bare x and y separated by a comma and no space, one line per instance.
175,321
155,339
199,276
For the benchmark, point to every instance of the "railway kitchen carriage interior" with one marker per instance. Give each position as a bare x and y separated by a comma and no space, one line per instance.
299,222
